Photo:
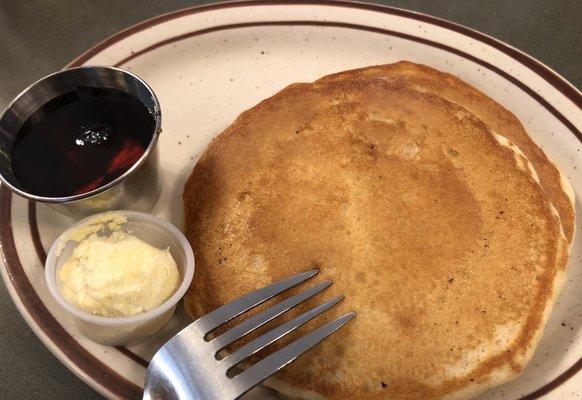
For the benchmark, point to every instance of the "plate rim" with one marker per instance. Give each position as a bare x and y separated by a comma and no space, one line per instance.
6,235
538,67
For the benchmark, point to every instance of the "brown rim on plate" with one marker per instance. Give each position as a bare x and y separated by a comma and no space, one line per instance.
89,364
548,74
106,378
532,93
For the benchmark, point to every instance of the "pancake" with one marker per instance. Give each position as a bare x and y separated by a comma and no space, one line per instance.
435,229
501,120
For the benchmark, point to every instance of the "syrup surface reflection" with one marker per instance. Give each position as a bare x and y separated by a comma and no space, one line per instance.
80,141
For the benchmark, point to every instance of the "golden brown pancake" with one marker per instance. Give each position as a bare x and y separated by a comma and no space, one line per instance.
489,111
438,234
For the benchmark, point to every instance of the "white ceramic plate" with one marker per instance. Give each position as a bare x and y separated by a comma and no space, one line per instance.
208,64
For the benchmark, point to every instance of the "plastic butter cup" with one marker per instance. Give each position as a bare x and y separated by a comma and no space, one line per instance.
123,331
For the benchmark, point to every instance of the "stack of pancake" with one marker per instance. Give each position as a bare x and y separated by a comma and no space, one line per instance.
446,227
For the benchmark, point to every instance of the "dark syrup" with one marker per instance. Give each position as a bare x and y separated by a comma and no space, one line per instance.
80,141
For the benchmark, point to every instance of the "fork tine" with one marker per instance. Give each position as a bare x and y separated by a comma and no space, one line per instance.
275,334
274,362
262,318
223,314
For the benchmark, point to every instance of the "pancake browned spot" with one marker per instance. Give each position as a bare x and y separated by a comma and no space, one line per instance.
489,111
460,250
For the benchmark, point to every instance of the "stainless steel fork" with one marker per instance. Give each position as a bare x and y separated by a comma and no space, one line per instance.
188,365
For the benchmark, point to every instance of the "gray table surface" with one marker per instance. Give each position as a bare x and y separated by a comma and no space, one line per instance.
38,37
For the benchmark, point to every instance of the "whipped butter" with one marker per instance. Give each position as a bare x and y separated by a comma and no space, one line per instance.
117,275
